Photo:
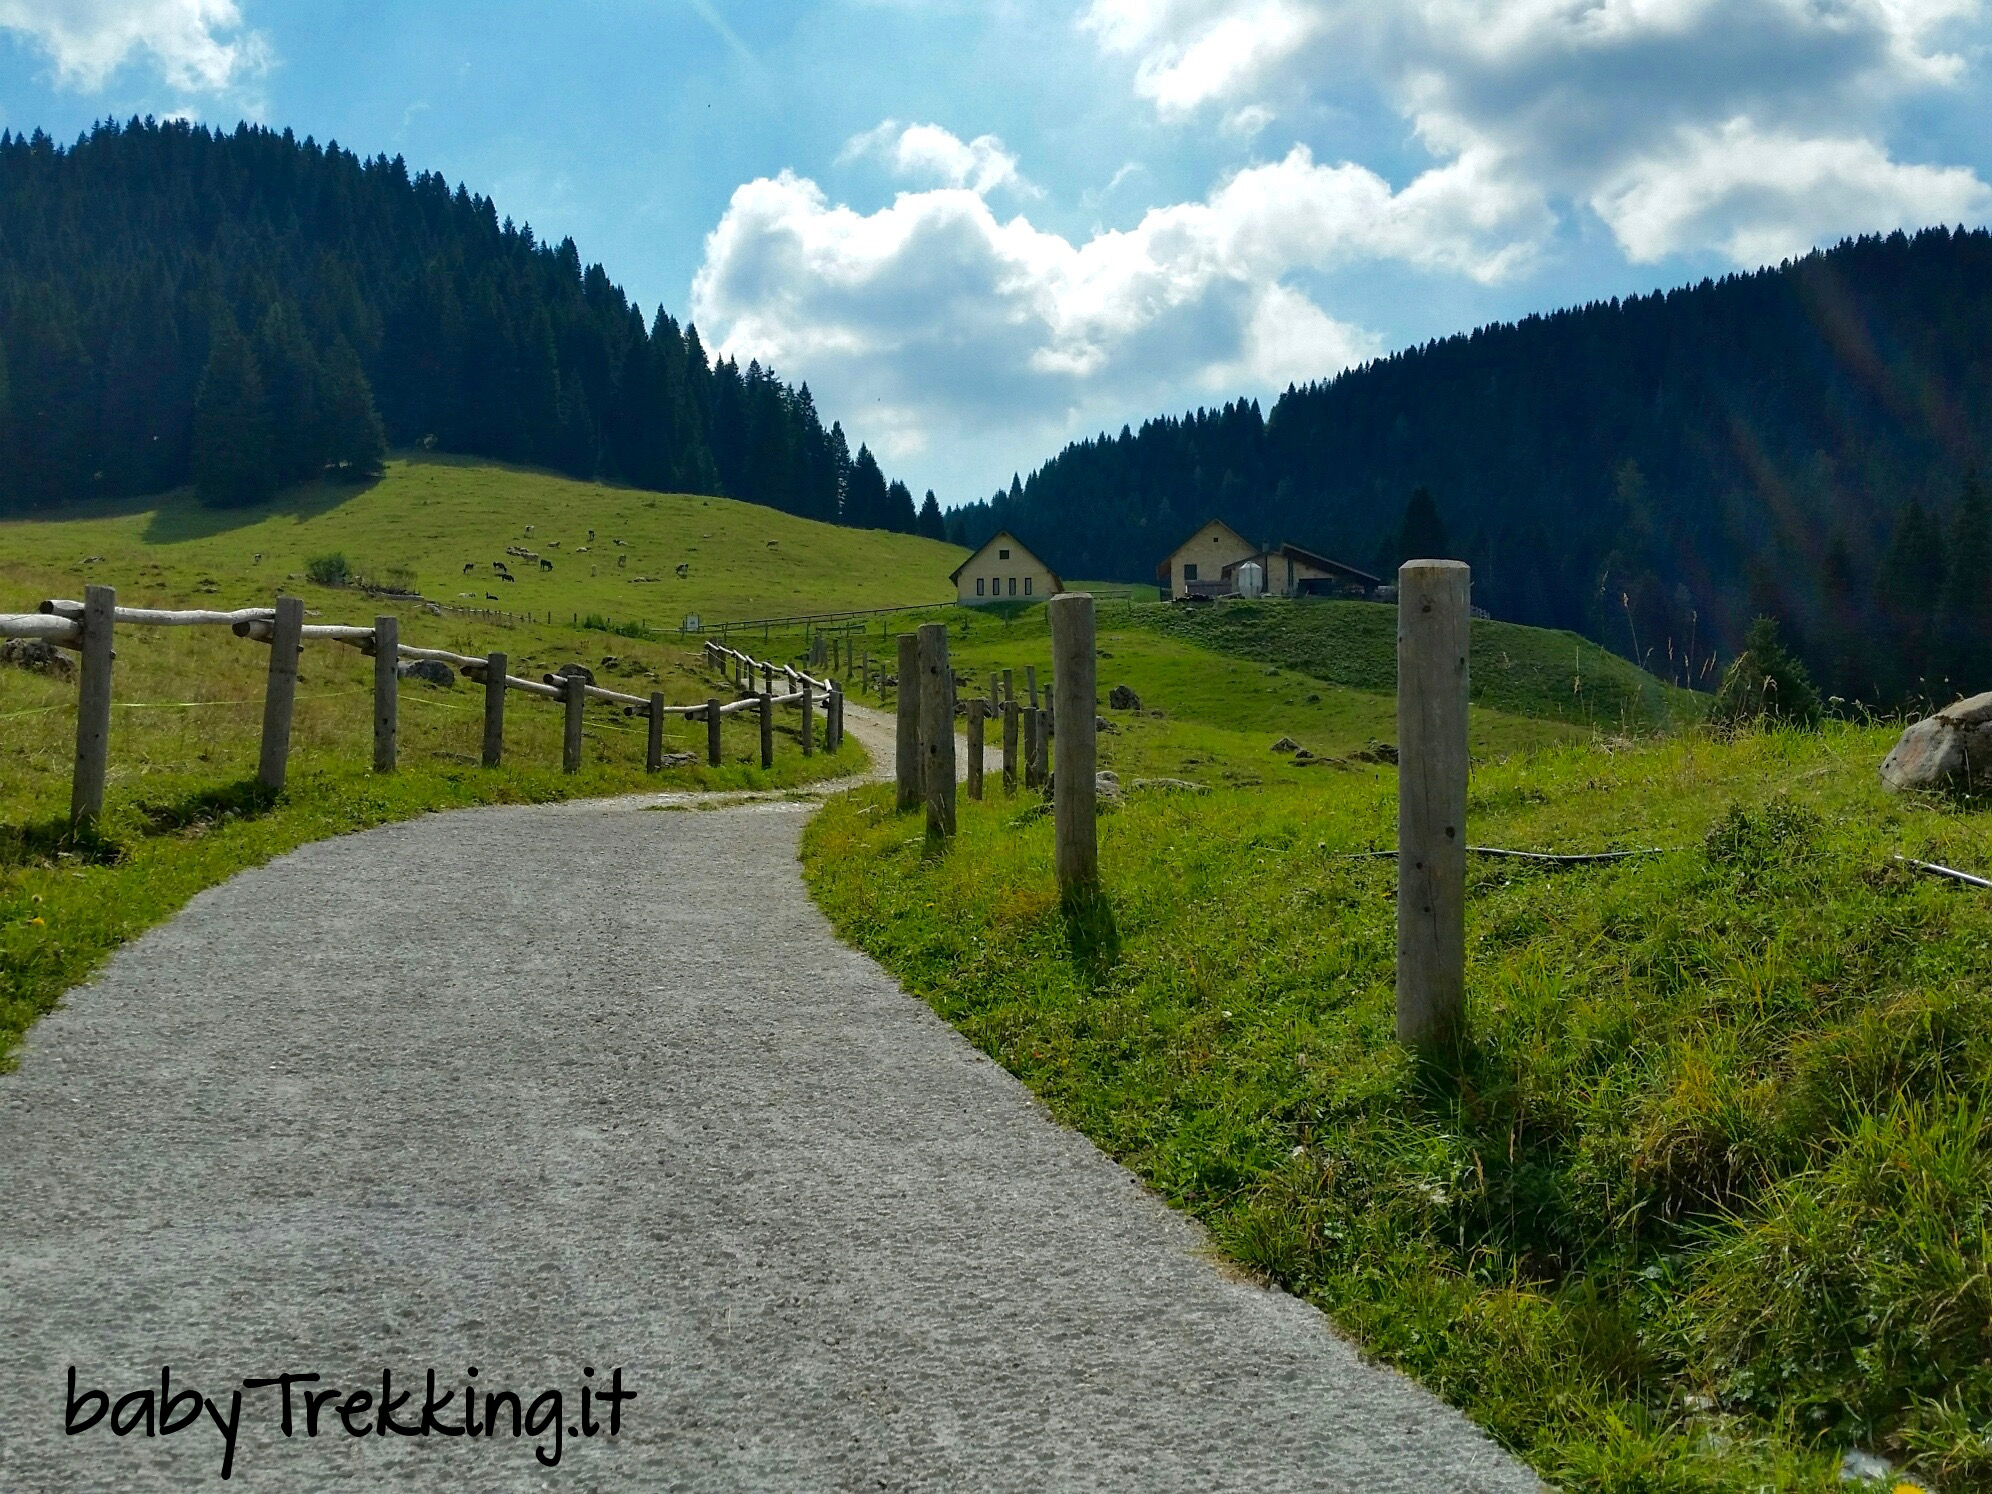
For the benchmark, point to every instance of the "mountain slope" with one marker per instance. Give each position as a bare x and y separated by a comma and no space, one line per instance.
429,517
129,261
1659,468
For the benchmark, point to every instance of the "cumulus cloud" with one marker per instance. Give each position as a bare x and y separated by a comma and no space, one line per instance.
935,314
1761,197
1623,106
929,154
198,46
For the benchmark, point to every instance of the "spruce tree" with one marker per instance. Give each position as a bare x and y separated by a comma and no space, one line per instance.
900,517
1964,612
932,524
355,445
1766,684
1422,534
231,456
291,379
865,505
1907,590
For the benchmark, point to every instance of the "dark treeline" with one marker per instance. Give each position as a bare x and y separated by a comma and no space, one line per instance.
1654,472
244,310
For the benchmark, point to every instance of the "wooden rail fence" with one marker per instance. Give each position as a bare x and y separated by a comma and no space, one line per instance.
89,627
803,692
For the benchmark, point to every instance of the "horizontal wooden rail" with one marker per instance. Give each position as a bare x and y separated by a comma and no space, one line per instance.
163,617
64,630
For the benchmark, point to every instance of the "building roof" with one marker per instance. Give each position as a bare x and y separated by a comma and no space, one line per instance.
954,576
1323,563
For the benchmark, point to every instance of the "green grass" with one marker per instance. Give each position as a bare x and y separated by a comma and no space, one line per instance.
182,811
431,515
1705,1200
1522,671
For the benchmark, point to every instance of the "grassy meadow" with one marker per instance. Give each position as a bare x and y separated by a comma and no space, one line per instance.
1705,1199
431,515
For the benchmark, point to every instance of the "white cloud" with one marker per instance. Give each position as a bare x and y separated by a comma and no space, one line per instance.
929,154
1762,197
937,317
1630,107
197,45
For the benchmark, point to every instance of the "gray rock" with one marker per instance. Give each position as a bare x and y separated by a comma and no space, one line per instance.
586,674
1951,750
1102,724
1169,785
1286,744
1121,698
677,759
39,655
1376,752
429,671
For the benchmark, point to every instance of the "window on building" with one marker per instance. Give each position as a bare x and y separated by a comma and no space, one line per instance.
1013,586
1002,554
1190,571
1027,586
978,586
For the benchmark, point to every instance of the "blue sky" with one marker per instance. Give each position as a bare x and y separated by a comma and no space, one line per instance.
982,230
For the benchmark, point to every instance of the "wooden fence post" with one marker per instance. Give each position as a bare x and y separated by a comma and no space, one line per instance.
1075,807
1009,694
936,687
1030,682
280,694
808,722
570,740
1009,746
975,748
1433,600
653,752
1033,773
907,757
495,669
387,686
833,718
93,706
767,729
712,732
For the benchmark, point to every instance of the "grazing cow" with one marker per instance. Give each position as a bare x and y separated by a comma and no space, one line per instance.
774,544
545,564
469,566
498,565
591,536
491,596
684,569
508,576
529,531
617,543
622,561
581,550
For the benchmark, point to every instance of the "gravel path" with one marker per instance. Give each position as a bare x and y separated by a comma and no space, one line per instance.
592,1086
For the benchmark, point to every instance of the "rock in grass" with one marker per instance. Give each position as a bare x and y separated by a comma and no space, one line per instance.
38,655
1169,785
1286,744
1121,698
677,759
1950,751
429,671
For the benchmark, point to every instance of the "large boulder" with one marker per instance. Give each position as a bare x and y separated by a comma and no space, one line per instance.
1121,698
429,671
39,655
1950,751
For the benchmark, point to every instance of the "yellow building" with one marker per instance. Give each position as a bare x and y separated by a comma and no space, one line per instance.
1003,570
1198,566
